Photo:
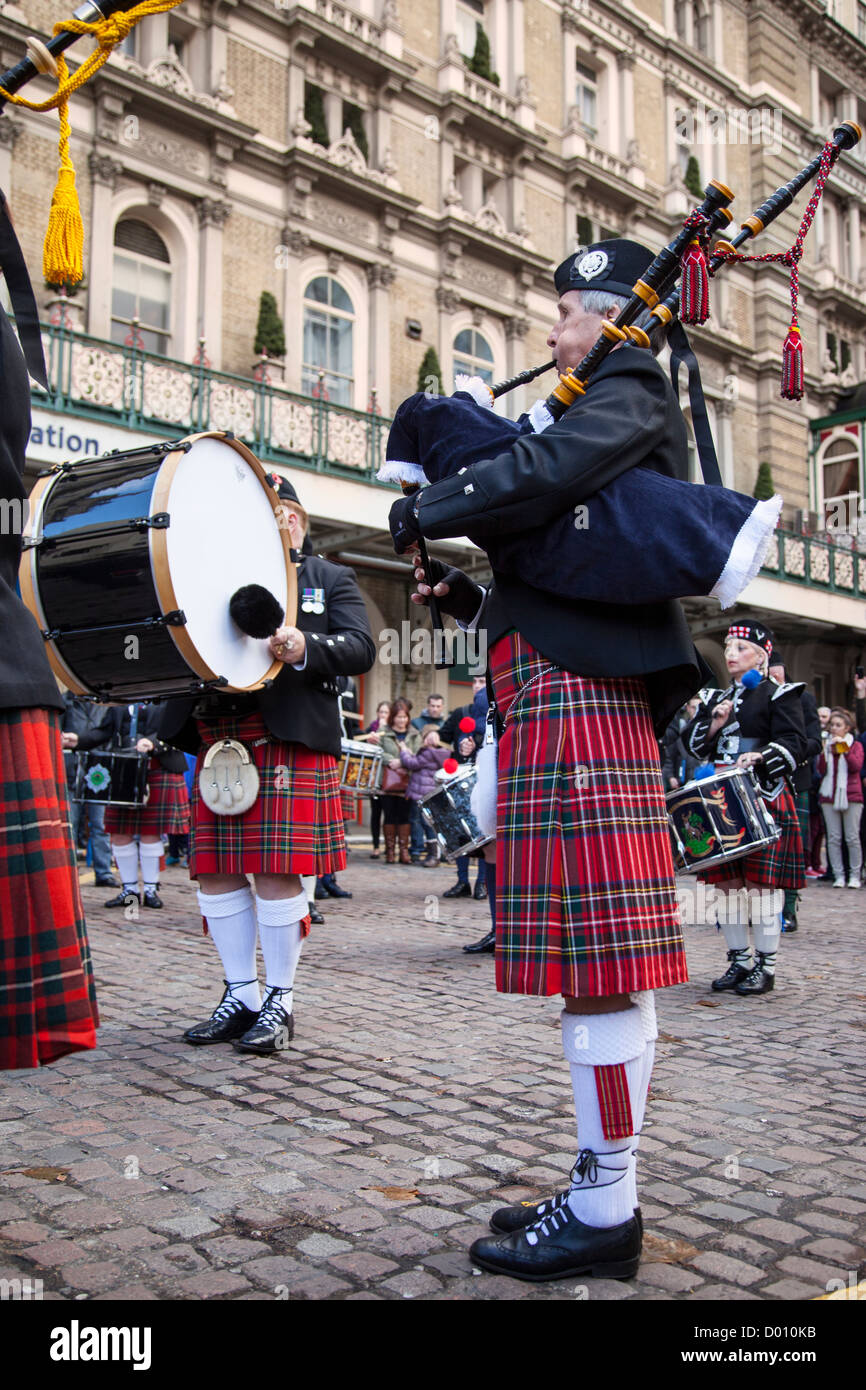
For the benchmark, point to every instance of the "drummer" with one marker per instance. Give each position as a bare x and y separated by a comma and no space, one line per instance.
295,826
759,724
136,832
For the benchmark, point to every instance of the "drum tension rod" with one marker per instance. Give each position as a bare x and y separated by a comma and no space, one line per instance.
160,521
176,618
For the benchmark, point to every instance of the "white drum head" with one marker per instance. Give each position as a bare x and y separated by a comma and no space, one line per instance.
223,534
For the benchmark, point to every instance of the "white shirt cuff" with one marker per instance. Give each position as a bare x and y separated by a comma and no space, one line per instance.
473,626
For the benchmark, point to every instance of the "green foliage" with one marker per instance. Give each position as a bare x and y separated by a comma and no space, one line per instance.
314,112
270,337
430,373
692,177
764,489
353,119
480,62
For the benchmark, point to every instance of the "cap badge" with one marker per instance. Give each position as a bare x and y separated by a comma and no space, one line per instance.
592,265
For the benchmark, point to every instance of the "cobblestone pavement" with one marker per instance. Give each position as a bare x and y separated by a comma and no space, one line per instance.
414,1100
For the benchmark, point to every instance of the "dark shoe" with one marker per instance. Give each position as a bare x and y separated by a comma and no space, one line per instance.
432,860
480,891
459,890
316,918
517,1218
171,860
559,1247
272,1031
123,899
486,944
789,923
733,976
107,881
375,854
332,887
321,890
229,1020
758,981
152,898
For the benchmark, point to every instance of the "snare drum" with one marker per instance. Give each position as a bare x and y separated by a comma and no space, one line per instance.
131,559
717,820
115,778
360,767
448,813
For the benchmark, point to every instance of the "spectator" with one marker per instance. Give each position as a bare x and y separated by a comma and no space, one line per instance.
395,804
423,767
433,713
383,714
841,765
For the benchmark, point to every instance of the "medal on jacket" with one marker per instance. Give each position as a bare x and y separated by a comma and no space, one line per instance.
313,601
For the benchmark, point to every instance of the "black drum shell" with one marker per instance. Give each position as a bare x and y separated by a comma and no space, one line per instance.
93,571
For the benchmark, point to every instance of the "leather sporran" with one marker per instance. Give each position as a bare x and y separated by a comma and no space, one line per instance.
228,782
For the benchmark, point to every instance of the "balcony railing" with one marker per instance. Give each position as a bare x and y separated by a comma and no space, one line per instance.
820,564
141,390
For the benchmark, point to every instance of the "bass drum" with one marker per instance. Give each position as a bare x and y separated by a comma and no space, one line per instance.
131,560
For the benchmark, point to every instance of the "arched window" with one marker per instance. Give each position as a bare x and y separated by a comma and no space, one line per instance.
840,463
329,318
473,355
141,286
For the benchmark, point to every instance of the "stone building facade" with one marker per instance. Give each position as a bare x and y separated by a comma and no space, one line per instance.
398,186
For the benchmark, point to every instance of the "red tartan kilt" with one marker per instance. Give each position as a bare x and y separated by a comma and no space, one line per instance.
295,825
47,998
585,894
781,865
166,811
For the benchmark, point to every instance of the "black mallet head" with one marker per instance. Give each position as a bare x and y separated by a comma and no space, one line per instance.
255,611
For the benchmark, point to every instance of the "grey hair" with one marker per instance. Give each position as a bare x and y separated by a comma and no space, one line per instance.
599,301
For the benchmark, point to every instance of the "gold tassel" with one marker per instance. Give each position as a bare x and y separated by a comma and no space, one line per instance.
63,251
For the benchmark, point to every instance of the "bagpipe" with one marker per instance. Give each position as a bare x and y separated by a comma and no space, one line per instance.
701,541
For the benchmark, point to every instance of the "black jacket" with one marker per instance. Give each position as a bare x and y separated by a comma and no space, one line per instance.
803,774
629,416
301,706
96,725
26,681
677,761
766,719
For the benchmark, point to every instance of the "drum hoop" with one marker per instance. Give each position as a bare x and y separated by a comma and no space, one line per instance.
29,581
158,541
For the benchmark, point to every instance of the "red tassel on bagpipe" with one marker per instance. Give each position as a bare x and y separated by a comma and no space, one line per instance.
792,365
695,286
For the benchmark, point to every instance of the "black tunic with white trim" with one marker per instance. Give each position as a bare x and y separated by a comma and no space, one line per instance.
766,718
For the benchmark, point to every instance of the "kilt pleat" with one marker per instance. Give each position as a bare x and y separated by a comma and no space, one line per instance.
780,865
166,811
295,825
586,901
47,996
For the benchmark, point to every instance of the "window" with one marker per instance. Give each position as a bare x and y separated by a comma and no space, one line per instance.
861,22
473,356
141,286
841,470
586,98
329,318
701,27
469,14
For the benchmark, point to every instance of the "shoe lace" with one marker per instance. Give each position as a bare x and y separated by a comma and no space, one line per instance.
553,1221
272,1009
228,1006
